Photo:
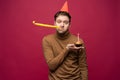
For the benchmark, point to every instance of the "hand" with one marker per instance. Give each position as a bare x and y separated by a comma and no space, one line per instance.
73,47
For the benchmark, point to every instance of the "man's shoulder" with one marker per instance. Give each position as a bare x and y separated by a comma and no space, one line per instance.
73,36
49,37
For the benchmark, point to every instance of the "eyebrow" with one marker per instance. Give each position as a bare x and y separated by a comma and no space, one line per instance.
63,20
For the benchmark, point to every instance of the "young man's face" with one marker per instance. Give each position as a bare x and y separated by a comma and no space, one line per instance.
63,22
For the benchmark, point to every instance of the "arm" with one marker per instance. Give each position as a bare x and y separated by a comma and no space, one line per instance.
52,61
83,64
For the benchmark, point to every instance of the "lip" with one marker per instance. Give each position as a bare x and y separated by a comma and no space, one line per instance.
61,28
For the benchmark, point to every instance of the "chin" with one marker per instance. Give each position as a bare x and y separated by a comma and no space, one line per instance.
60,32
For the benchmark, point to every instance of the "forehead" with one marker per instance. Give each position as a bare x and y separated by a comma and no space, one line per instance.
62,17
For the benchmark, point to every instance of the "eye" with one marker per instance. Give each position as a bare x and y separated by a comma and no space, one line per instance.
58,21
66,22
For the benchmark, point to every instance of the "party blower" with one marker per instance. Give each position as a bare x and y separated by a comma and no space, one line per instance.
77,44
45,25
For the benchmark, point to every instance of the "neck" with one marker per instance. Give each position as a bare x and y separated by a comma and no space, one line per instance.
64,35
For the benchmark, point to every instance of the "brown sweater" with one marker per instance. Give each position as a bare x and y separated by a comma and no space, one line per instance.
64,64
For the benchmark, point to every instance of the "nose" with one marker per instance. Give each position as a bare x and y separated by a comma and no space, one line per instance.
62,25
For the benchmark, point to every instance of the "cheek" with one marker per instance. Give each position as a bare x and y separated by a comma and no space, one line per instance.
57,24
66,27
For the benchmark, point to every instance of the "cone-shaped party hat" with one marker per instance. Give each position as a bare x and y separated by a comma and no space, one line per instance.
65,6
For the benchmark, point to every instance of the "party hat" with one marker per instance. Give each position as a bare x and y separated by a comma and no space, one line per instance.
65,6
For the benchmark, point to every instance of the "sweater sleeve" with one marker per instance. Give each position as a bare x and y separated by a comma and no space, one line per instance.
52,61
83,64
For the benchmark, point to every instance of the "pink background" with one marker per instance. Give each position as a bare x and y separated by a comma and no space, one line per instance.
21,56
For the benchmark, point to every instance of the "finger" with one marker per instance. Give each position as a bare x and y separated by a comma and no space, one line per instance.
82,47
71,45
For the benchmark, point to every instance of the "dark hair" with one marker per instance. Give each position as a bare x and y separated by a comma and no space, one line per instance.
64,13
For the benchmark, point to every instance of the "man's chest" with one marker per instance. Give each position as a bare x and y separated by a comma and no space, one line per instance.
59,45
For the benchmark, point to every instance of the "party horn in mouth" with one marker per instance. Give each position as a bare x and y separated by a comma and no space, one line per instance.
45,25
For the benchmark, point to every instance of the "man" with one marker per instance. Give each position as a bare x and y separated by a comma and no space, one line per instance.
64,59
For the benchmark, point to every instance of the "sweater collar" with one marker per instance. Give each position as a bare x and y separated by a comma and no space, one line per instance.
63,36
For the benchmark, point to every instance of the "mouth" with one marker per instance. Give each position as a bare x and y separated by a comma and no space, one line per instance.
61,28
